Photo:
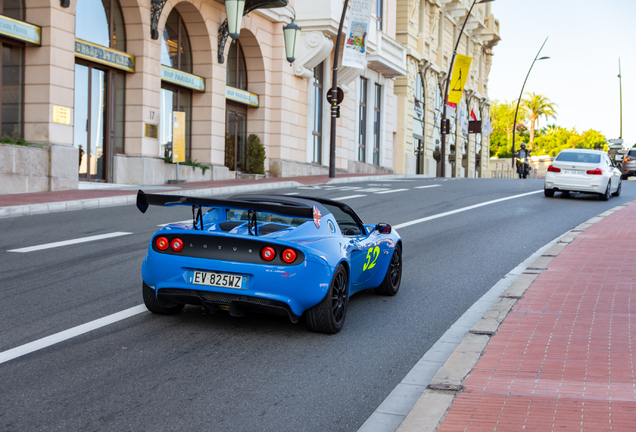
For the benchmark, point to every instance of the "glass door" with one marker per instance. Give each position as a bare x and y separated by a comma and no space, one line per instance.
236,138
90,122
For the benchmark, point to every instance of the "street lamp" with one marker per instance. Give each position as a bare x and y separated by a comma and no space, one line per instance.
444,126
514,126
291,33
234,11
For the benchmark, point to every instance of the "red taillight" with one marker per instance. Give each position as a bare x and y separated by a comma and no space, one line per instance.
162,243
176,245
268,253
626,159
596,171
289,256
553,169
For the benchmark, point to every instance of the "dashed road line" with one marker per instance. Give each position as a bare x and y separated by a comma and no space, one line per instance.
429,186
69,242
391,191
348,197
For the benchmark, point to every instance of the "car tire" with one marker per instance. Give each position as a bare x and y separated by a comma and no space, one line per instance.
548,192
391,283
152,303
618,191
605,196
623,176
329,315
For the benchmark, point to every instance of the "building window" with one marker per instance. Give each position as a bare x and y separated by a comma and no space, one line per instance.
362,114
99,103
236,72
379,9
176,54
317,127
377,110
236,113
437,136
419,109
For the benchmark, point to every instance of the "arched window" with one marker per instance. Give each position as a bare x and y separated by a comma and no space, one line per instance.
175,54
12,73
100,22
236,72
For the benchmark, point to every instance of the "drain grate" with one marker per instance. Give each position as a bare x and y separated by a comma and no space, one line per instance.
447,387
482,332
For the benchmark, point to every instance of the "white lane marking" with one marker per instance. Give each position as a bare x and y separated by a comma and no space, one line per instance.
69,242
452,212
292,193
178,222
372,190
429,186
391,191
347,197
68,334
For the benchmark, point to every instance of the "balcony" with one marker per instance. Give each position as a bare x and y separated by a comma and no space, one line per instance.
387,56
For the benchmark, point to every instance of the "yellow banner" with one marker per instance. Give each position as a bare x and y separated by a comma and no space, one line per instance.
461,68
178,136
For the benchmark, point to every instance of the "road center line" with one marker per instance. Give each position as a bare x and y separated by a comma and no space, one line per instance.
69,242
424,187
391,191
463,209
348,197
70,333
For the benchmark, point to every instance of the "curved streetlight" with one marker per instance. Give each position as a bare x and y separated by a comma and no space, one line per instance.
514,126
445,128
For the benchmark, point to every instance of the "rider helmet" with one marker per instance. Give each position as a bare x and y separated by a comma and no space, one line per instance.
523,145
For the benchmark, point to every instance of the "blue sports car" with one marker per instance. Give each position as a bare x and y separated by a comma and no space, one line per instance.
288,255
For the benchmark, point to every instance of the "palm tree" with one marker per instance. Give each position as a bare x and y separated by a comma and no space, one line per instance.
537,106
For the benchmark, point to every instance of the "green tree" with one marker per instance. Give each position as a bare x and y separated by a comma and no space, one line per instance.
535,106
502,115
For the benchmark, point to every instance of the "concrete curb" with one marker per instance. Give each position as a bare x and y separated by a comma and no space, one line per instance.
432,406
91,203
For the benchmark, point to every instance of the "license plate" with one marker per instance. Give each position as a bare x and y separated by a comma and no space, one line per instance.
221,280
572,172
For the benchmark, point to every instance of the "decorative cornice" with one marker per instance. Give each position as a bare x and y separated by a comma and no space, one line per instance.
315,47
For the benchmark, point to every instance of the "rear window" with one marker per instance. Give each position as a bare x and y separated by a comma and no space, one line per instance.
632,153
579,157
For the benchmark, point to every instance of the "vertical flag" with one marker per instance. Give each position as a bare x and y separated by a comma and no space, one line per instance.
353,54
463,121
461,68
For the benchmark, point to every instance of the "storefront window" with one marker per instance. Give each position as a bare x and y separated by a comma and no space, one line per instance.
12,82
236,72
176,54
13,9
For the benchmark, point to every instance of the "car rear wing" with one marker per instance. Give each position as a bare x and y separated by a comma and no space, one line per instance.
294,210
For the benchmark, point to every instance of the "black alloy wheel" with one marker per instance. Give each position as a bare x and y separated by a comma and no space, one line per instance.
618,190
605,196
329,315
391,283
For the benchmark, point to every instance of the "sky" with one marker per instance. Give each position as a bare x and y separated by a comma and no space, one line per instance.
585,40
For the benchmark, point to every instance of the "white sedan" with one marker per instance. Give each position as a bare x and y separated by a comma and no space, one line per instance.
579,170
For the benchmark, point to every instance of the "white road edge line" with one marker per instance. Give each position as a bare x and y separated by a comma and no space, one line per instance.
391,191
463,209
347,197
69,242
70,333
424,187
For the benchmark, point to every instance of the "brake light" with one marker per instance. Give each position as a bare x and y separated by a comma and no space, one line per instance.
162,243
596,171
553,169
268,253
289,256
176,245
626,159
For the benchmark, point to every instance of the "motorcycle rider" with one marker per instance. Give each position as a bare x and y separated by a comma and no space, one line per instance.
522,156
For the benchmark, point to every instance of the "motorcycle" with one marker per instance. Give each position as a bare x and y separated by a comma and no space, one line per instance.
523,165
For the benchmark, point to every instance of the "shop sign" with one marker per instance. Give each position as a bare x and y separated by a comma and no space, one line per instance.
182,79
106,56
61,115
241,96
20,30
151,130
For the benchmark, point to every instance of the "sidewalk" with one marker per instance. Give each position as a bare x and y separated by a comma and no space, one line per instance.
92,195
557,351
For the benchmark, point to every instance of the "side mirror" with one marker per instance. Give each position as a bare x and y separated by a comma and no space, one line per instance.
383,228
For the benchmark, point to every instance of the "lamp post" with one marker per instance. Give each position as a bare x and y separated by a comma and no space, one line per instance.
444,125
514,126
620,90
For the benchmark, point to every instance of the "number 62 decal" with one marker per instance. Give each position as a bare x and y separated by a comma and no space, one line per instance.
372,257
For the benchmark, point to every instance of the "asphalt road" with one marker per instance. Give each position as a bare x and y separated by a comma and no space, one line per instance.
257,373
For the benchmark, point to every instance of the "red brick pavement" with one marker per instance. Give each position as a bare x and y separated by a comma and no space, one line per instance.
563,359
70,195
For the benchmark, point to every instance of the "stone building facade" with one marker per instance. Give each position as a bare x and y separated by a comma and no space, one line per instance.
429,30
99,87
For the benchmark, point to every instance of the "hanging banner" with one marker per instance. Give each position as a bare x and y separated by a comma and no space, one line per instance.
461,68
178,136
355,48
